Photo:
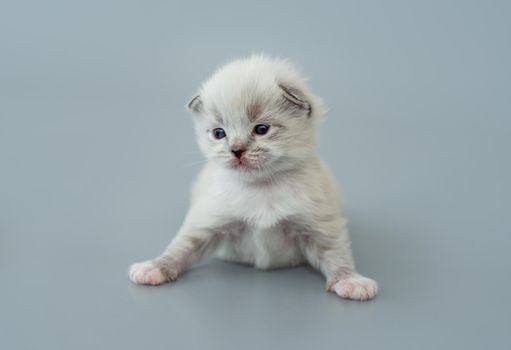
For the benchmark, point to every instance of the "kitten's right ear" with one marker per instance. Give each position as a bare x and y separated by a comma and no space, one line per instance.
195,104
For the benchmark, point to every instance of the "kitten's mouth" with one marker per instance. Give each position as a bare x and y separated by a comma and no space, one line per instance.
241,165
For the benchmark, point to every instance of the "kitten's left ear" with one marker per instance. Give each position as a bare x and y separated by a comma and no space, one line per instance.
296,98
195,104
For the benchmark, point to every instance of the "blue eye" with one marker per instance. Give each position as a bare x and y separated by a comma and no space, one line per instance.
261,129
219,133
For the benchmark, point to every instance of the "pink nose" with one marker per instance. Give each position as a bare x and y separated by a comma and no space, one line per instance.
238,152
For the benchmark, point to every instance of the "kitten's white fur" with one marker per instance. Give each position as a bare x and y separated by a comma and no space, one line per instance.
279,207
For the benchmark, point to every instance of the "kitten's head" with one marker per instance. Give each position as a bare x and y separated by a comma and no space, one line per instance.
256,117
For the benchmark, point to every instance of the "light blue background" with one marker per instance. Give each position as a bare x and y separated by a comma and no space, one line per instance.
97,156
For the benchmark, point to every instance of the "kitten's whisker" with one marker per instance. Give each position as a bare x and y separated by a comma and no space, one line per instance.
193,152
187,165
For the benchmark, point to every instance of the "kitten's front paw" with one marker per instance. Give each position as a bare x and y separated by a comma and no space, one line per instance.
147,273
356,287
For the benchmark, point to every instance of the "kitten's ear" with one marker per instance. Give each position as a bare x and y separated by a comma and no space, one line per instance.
195,104
296,99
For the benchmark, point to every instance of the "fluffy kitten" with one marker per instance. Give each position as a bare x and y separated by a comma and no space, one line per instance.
264,198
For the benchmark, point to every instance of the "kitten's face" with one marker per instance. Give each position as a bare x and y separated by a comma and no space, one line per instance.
257,137
252,125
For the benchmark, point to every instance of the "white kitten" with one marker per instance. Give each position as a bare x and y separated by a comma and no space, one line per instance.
264,198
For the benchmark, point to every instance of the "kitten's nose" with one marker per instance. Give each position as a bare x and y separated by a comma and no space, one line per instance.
238,152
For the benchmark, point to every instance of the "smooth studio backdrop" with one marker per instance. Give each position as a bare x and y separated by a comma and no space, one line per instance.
97,156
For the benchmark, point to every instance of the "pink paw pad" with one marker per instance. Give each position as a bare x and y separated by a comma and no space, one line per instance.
356,288
146,273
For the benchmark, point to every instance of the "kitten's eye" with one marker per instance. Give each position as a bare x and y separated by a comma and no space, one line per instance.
261,129
219,133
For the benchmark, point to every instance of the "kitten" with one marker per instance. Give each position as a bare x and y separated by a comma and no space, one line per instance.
264,197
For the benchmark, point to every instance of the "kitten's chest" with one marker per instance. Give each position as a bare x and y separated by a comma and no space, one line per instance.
264,206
